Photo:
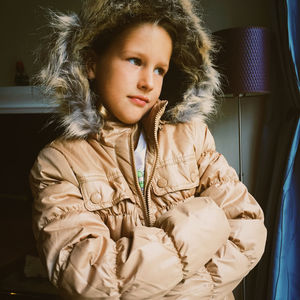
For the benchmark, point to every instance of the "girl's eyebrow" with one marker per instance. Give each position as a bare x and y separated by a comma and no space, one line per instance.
140,54
132,52
164,65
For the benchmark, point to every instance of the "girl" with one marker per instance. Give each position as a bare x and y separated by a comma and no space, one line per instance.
133,201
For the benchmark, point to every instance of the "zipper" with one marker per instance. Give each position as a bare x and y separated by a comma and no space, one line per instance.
136,182
146,197
148,184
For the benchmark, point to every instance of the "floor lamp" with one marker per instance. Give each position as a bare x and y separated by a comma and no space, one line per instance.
243,61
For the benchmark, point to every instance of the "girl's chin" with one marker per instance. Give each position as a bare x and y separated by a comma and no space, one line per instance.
132,118
130,121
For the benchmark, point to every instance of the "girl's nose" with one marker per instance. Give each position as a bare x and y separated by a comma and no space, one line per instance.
146,80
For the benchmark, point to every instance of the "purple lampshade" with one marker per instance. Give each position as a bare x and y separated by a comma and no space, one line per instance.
243,60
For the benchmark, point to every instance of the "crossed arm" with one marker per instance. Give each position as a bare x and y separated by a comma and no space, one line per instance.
216,237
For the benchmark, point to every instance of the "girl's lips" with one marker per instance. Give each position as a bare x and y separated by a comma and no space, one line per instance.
139,100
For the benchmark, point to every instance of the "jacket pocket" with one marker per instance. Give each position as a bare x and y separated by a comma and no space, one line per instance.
175,176
100,191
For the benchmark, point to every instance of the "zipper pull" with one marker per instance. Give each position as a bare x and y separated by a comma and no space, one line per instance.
160,124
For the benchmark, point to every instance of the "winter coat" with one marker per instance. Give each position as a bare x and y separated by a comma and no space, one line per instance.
194,234
196,231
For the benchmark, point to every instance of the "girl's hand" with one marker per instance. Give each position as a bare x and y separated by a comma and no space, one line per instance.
198,228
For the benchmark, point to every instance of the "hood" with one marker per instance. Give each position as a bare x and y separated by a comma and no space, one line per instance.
189,86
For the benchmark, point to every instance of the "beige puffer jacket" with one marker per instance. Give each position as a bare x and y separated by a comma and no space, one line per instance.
194,234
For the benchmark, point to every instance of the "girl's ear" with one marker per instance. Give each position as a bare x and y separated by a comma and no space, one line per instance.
91,65
91,71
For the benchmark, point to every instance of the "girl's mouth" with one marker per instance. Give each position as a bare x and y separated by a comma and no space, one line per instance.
139,100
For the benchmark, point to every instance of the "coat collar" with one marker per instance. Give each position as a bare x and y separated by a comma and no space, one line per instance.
150,122
113,131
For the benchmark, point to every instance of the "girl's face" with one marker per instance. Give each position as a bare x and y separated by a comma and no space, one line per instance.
129,75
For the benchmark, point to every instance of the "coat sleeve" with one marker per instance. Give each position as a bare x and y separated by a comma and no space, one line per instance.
244,246
75,245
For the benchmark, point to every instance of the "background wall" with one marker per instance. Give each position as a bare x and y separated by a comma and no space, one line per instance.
22,27
222,14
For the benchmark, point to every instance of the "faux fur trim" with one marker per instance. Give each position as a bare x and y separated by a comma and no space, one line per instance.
64,74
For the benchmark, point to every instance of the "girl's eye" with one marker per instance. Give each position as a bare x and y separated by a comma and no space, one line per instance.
135,61
160,71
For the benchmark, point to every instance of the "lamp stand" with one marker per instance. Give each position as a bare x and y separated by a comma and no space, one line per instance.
241,175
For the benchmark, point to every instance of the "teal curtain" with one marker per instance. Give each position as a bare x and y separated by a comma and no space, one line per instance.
286,275
277,189
293,19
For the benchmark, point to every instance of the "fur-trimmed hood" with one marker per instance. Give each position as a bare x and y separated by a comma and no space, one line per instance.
189,86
